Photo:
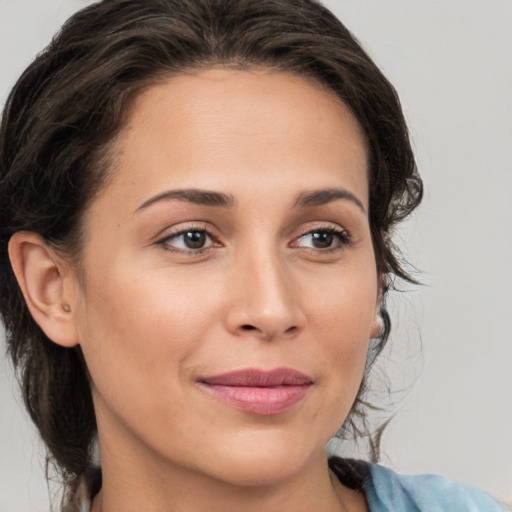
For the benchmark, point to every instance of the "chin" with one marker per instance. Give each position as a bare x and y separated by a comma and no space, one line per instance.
265,464
258,474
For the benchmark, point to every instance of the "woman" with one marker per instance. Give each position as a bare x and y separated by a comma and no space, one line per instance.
197,200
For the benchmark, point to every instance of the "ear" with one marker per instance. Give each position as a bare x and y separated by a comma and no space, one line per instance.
47,286
378,324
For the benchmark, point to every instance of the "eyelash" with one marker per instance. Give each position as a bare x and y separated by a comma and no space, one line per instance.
343,237
192,228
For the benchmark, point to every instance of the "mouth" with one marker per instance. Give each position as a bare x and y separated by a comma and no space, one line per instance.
258,391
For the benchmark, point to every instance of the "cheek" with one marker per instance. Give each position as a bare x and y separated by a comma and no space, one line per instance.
137,332
346,303
343,314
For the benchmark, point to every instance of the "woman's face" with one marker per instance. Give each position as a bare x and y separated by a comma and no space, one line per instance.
229,286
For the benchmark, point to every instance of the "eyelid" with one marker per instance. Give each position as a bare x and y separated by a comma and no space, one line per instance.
342,234
181,229
344,237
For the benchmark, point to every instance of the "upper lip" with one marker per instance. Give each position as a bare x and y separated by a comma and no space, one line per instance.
253,377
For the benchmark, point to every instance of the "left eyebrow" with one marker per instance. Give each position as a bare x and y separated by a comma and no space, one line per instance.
324,196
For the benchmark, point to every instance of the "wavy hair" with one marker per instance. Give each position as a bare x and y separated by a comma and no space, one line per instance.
67,108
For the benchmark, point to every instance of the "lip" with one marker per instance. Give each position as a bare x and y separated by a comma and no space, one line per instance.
259,391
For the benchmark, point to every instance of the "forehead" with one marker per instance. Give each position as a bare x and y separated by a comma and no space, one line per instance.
221,126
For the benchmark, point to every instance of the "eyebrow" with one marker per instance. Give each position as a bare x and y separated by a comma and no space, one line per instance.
219,199
192,195
321,197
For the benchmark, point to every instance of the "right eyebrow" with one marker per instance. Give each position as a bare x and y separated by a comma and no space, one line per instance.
192,195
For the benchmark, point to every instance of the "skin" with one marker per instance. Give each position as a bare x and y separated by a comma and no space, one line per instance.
152,316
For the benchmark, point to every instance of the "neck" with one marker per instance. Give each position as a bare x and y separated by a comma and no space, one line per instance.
135,486
135,477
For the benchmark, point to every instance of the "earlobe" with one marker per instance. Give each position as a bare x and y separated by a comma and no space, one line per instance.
377,327
41,275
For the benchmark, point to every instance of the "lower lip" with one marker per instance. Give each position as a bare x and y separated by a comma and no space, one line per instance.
259,400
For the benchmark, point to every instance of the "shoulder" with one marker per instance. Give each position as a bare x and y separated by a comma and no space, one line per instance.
390,491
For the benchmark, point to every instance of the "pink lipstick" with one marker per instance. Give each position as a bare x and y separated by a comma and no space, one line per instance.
258,391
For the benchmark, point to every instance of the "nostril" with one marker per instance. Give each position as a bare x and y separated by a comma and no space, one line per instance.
248,327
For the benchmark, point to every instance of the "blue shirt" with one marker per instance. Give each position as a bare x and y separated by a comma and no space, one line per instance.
387,491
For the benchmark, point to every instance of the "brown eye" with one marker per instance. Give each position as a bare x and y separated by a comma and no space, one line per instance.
194,239
323,239
188,240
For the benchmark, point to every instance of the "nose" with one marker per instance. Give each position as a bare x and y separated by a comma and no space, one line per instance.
264,301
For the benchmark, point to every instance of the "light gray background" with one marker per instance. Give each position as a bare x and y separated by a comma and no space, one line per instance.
451,62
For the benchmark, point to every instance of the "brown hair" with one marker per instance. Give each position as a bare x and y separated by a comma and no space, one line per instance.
70,103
